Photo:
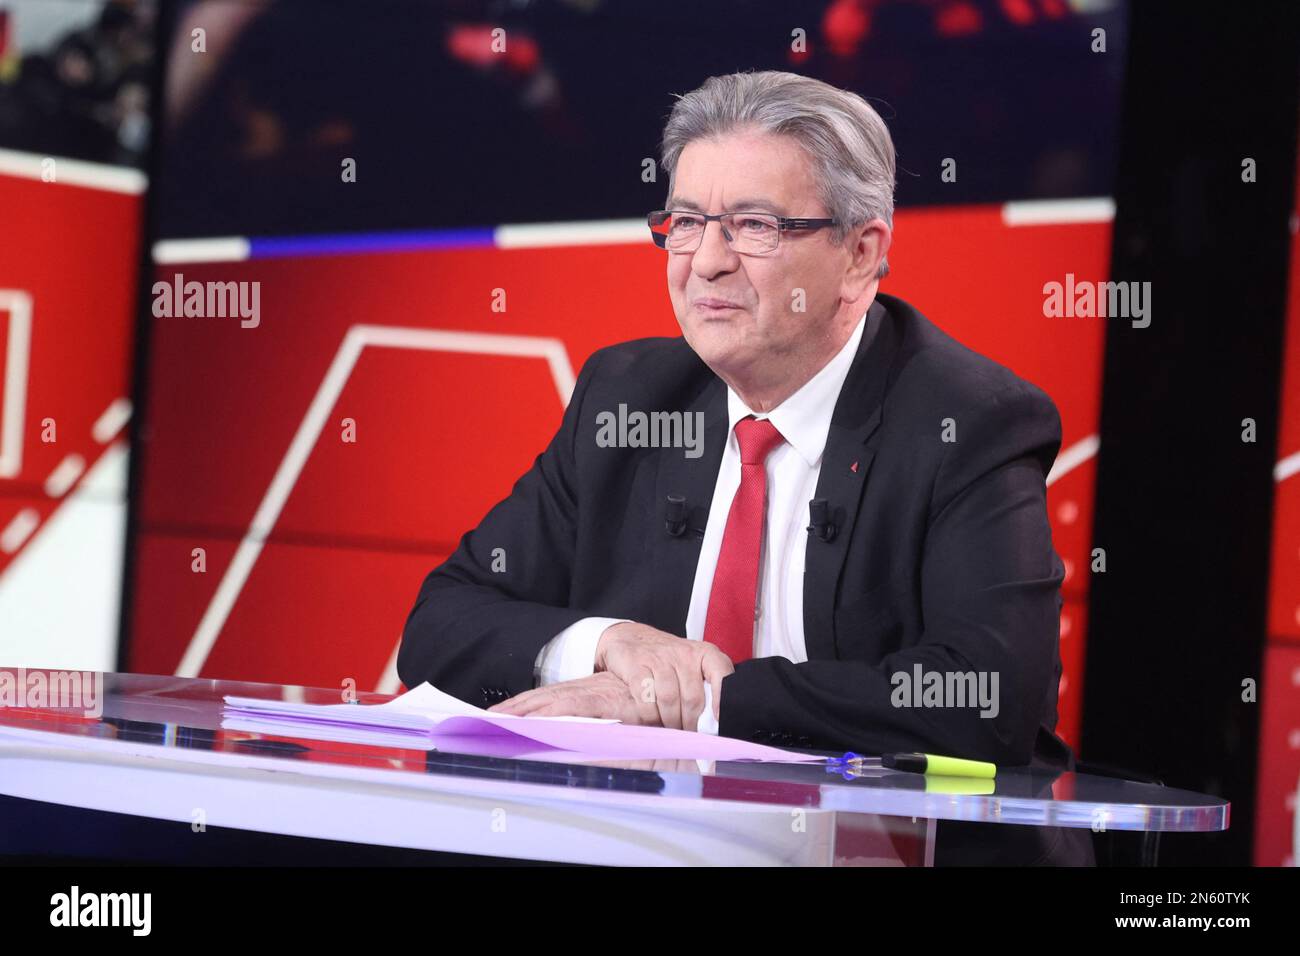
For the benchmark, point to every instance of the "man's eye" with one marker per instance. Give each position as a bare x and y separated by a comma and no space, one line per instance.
755,225
685,223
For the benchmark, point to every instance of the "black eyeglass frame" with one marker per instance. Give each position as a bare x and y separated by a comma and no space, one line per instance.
784,224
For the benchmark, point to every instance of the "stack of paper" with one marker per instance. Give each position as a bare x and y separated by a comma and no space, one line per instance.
420,717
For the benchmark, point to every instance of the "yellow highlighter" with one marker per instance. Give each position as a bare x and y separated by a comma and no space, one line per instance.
929,764
940,766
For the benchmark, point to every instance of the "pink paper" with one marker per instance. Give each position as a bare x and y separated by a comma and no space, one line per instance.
624,741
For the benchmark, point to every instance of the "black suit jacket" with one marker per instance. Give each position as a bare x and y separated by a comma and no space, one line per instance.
943,554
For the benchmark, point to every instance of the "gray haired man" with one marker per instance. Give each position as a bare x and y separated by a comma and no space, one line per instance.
836,531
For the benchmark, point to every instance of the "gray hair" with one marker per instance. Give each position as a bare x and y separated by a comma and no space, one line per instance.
848,142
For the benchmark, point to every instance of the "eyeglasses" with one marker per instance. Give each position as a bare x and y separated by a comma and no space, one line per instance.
748,233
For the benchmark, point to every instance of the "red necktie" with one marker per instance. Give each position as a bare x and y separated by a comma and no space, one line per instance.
730,620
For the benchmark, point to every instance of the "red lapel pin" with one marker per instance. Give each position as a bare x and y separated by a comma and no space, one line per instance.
854,467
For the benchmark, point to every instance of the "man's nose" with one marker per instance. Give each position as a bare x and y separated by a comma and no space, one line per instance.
714,254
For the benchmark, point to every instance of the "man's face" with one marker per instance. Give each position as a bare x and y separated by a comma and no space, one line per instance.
762,330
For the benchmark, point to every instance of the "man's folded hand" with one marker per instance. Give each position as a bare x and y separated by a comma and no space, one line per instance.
643,676
664,671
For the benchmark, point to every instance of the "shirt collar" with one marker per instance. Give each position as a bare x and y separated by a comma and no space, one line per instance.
804,419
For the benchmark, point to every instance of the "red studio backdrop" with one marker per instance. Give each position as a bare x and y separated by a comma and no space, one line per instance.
1279,685
75,335
69,257
316,592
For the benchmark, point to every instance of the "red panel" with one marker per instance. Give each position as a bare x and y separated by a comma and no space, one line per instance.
320,615
73,252
1074,620
437,436
1284,606
252,386
1279,757
1279,746
983,283
1070,507
170,596
308,615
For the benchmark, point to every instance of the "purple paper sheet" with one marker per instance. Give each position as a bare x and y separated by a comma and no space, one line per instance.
428,713
624,741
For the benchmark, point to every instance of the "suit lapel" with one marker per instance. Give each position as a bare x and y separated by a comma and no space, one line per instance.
845,465
673,559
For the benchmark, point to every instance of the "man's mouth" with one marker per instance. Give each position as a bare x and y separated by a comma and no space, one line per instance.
715,306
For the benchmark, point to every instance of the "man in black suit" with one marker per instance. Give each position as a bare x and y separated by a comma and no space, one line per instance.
815,520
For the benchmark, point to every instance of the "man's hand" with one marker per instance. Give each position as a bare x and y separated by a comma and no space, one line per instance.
664,671
600,695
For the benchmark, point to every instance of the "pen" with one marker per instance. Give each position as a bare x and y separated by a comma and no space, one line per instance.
923,763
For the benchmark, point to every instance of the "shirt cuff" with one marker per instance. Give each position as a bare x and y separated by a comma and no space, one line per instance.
571,654
707,724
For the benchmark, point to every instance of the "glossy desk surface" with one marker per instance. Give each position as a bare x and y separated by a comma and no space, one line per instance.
161,719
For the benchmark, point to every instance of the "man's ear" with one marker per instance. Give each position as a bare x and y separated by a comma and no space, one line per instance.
868,244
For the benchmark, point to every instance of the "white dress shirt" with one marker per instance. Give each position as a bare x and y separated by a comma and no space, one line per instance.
804,420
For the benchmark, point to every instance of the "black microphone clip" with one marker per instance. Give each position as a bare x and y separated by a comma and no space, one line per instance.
821,526
675,516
